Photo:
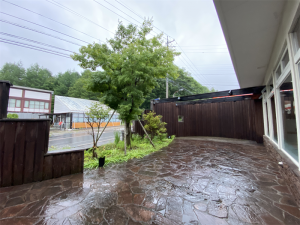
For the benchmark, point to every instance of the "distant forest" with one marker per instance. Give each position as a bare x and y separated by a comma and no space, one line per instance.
74,84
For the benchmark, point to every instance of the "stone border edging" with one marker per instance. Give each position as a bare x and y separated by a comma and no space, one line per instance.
289,170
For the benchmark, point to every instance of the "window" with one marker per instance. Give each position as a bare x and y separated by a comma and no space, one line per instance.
180,118
79,117
26,104
290,144
275,137
36,105
46,105
277,73
31,106
12,103
285,59
18,103
266,118
296,34
42,105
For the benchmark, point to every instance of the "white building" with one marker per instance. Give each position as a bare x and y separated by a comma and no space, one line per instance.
71,111
263,38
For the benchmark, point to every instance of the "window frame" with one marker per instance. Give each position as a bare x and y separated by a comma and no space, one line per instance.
288,70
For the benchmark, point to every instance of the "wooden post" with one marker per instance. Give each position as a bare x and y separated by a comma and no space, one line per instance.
125,133
107,123
4,96
145,132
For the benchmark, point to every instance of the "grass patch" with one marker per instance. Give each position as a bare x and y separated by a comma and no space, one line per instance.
114,153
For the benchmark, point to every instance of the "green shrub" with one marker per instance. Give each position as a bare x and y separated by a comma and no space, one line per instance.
117,137
154,126
12,116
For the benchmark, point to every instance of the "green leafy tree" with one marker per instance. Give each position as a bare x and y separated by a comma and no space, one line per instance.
79,89
13,72
38,77
131,64
65,81
97,114
153,124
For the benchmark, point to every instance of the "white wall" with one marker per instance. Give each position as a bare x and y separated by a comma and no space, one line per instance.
14,92
37,95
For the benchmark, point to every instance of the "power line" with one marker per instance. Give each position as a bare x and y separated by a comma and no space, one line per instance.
117,13
187,66
36,48
17,42
138,15
122,11
172,81
45,27
28,28
112,11
188,58
30,40
76,13
129,9
48,18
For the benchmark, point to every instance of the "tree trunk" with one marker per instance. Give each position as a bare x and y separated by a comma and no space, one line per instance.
128,141
94,153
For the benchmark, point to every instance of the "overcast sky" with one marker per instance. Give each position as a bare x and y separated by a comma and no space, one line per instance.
193,24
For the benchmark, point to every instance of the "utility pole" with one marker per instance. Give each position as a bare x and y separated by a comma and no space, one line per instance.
167,79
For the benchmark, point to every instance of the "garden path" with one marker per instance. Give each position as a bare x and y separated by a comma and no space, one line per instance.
207,181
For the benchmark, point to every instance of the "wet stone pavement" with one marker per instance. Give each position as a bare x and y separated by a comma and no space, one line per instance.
189,182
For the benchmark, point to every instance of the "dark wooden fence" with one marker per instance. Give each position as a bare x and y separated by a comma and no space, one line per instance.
24,157
230,118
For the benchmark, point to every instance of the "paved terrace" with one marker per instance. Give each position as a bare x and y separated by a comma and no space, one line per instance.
207,181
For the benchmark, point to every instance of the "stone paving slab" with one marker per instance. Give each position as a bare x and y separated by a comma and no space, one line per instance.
189,182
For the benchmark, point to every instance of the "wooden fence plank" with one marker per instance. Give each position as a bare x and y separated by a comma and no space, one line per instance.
81,161
66,164
31,138
2,129
39,151
74,163
47,168
46,143
57,166
8,153
19,153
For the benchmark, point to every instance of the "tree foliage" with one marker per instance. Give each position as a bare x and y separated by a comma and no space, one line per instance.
184,81
131,64
80,88
14,72
153,124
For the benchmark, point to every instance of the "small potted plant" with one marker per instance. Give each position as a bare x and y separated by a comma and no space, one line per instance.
101,157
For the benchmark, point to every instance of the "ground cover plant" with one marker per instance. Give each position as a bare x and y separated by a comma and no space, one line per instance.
114,153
